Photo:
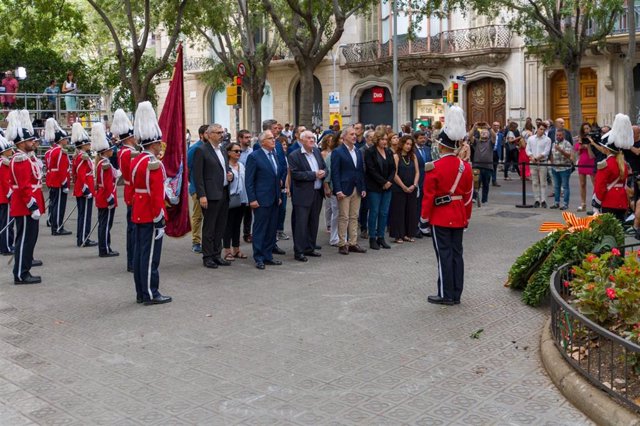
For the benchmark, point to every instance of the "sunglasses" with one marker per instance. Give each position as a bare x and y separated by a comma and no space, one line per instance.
237,151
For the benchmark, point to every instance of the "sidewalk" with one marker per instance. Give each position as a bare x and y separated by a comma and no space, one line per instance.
336,340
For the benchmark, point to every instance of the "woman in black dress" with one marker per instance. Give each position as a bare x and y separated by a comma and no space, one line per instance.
404,199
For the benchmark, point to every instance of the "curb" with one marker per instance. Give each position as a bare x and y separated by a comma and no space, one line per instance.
593,402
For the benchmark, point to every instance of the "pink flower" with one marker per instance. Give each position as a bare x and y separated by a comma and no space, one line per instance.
615,252
611,293
566,283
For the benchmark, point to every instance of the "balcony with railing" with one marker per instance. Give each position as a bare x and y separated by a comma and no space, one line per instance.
448,44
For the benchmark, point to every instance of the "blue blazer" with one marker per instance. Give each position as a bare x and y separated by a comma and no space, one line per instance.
282,161
262,184
421,162
344,175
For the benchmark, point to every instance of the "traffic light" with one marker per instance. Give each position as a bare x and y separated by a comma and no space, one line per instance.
234,93
445,98
455,93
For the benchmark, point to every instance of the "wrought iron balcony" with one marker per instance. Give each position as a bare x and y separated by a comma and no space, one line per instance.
461,42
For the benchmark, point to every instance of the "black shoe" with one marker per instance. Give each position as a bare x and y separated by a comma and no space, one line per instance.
440,301
29,279
90,243
456,302
159,300
130,270
536,204
555,206
301,258
109,254
210,263
382,243
373,244
36,262
544,204
221,262
138,299
419,235
313,254
260,265
61,232
278,250
272,262
496,184
317,247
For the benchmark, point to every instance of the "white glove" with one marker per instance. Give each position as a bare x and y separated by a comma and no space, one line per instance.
90,196
65,190
35,215
159,233
118,173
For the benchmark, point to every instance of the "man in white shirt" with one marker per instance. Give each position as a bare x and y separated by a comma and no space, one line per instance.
538,147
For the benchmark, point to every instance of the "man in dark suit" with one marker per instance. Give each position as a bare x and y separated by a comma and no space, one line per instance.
308,170
423,154
347,177
262,180
211,175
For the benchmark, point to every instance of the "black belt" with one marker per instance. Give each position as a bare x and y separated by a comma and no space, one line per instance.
446,199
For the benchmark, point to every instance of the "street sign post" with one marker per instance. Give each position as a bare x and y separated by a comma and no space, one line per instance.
334,101
242,70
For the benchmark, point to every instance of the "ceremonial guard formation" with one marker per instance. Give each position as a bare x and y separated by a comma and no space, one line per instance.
123,129
84,188
148,210
6,223
610,195
106,194
26,200
58,178
446,207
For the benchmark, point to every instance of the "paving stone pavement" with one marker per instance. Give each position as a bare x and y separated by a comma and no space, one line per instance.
335,341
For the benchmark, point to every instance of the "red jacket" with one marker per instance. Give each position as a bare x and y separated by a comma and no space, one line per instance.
83,175
147,177
5,180
57,162
125,156
39,166
26,182
439,179
106,194
609,189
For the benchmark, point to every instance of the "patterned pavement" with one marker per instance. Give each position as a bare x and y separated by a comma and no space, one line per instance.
338,340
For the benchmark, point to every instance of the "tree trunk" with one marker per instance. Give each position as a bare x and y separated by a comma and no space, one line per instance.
256,108
305,117
630,63
573,87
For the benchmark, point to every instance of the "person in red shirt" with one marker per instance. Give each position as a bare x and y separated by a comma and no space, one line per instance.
6,224
148,209
84,188
106,194
609,194
57,179
446,207
123,129
11,86
26,201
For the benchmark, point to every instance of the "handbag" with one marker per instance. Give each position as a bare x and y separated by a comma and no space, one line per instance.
234,201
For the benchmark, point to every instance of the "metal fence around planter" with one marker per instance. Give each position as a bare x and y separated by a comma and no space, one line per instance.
603,357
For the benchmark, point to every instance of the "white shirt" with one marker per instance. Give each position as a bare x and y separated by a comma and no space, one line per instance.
271,156
313,163
221,158
354,157
538,147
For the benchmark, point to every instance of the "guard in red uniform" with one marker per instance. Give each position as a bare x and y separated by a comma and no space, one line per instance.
148,212
446,207
84,188
609,194
122,127
27,202
58,178
6,223
106,195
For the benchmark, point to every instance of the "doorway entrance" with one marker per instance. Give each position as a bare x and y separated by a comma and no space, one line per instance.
487,101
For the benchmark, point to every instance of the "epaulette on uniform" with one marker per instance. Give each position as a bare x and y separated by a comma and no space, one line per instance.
153,165
19,158
6,161
602,164
106,165
429,166
134,153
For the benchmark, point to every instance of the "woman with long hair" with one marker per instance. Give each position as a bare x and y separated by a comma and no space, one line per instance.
329,143
69,89
404,198
586,162
522,149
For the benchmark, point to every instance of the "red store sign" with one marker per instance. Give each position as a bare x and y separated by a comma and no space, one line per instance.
377,94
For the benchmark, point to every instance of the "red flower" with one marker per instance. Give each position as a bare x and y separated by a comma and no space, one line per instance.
566,283
591,257
615,252
612,278
611,293
572,270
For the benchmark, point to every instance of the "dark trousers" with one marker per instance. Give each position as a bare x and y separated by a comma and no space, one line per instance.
246,221
57,208
447,243
620,214
232,231
511,161
26,237
494,174
146,259
305,226
403,221
419,209
265,223
363,214
214,222
485,182
85,207
6,236
282,211
105,223
131,236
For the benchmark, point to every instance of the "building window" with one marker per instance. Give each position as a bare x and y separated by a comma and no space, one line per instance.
369,27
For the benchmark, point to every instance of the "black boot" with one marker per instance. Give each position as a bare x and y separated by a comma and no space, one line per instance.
382,243
373,244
